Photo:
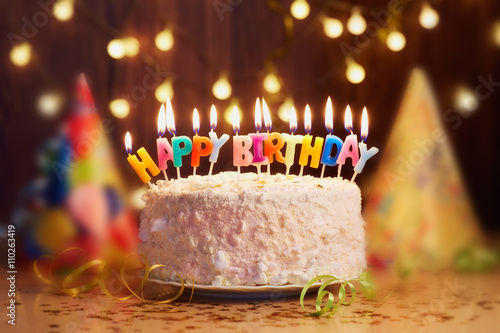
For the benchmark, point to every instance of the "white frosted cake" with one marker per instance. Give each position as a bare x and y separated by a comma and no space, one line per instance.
275,231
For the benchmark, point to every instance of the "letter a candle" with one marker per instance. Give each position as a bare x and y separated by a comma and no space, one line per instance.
349,149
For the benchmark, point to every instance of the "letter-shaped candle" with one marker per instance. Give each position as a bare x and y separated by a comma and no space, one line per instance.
272,150
171,129
259,157
202,146
242,156
269,125
291,141
258,153
164,149
216,142
331,140
308,150
181,151
146,162
349,149
241,146
365,154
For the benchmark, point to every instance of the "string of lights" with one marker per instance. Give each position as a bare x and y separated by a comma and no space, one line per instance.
121,46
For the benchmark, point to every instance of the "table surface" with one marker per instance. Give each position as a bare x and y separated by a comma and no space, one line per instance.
423,302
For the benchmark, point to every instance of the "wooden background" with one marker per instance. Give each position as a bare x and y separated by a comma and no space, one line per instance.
456,52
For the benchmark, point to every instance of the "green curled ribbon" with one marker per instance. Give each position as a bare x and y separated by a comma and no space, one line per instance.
330,307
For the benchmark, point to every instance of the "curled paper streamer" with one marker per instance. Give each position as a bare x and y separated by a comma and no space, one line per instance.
331,306
103,272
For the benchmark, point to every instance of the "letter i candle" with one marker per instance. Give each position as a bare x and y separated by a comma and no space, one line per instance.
350,147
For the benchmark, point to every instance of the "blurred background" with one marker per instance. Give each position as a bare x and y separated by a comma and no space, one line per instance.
135,54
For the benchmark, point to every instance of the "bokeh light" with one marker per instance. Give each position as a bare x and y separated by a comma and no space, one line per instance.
355,73
164,40
466,102
120,108
20,54
356,23
136,198
300,9
117,49
50,104
131,46
222,88
164,91
395,41
284,109
429,18
333,28
272,83
63,10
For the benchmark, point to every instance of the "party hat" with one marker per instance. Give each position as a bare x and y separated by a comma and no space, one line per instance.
418,211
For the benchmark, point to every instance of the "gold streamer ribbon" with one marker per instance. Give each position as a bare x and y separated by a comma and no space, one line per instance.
102,273
331,306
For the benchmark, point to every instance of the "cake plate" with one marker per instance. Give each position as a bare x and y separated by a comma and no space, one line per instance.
160,287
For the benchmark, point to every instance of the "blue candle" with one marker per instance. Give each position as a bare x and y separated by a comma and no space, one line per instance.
366,154
331,140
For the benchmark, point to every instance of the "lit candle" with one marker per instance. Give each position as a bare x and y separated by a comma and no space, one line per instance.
365,154
146,162
307,150
164,149
291,141
216,142
178,151
349,149
330,141
258,138
241,144
202,146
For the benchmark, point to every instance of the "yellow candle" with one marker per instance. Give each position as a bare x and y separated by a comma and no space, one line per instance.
313,151
146,162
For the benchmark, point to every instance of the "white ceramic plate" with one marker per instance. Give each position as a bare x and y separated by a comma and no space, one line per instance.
235,292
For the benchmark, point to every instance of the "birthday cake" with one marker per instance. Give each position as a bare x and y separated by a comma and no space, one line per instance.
275,231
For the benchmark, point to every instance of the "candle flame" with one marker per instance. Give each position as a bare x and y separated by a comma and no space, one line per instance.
307,120
293,120
170,118
364,125
348,119
258,116
196,121
267,116
128,143
161,121
329,116
213,118
236,119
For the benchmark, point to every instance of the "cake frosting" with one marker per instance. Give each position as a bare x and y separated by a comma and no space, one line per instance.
279,230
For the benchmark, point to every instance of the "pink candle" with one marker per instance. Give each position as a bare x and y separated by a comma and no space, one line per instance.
241,144
164,148
350,147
